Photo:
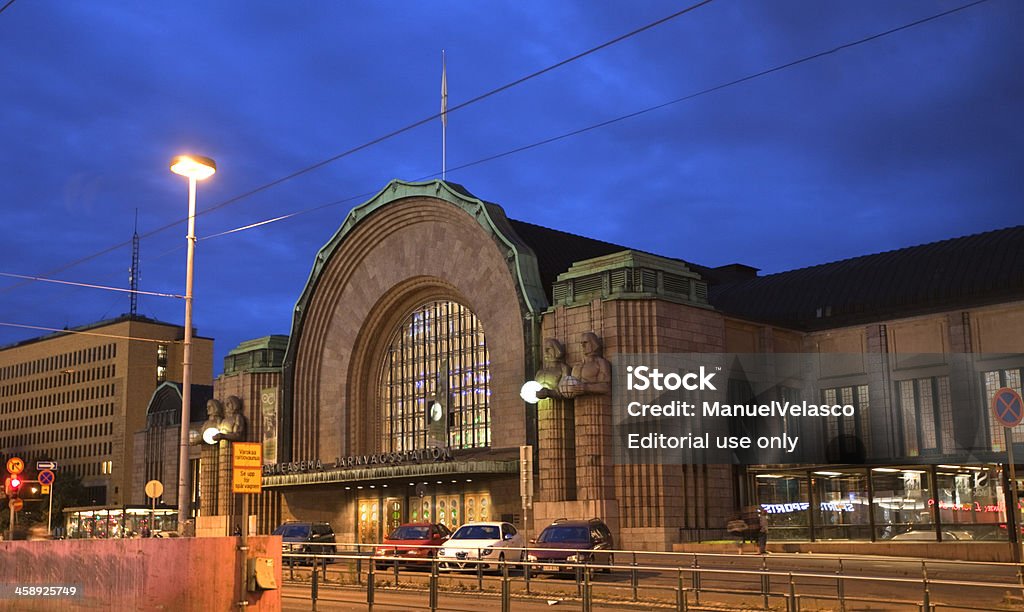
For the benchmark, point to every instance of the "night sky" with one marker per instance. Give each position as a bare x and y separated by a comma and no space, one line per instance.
907,139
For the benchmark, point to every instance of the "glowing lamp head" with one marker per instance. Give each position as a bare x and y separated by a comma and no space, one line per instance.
15,482
529,391
193,166
208,435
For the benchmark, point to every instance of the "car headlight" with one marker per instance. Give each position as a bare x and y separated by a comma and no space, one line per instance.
572,558
382,552
485,552
443,552
531,558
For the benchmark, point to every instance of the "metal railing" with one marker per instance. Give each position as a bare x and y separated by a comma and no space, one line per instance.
669,578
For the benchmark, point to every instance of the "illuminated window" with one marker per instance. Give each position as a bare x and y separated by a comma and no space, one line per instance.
850,430
927,411
161,362
438,354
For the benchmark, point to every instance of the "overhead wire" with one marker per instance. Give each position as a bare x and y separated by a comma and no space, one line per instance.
614,120
382,138
540,143
552,139
86,333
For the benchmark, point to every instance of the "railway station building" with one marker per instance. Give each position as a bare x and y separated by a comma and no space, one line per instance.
397,395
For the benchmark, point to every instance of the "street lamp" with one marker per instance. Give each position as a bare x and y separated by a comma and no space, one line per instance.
194,168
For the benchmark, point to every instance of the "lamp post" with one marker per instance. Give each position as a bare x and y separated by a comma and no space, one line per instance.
194,168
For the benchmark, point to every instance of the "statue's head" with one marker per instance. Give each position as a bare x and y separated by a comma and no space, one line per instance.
214,408
234,404
553,350
591,343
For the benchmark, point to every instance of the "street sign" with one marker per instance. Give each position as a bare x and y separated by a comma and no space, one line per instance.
46,477
15,465
46,465
1007,407
44,489
246,467
16,504
154,489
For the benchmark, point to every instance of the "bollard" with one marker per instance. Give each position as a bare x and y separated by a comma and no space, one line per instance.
588,601
794,603
371,584
291,568
314,588
634,579
479,572
579,581
926,603
359,569
395,552
324,565
696,580
681,594
506,596
766,585
527,568
433,585
841,587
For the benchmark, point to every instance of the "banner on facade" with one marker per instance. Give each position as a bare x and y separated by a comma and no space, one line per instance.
268,409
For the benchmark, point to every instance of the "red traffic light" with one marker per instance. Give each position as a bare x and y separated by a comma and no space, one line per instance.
16,483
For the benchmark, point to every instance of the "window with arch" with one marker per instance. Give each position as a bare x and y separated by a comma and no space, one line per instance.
437,355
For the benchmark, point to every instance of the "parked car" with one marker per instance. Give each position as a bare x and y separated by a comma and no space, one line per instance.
481,541
928,535
306,537
564,544
412,542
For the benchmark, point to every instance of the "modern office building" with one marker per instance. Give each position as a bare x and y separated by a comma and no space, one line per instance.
397,397
77,397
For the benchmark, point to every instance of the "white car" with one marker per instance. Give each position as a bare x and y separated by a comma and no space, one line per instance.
481,541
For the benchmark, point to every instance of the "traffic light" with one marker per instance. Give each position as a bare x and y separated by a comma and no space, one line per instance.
13,486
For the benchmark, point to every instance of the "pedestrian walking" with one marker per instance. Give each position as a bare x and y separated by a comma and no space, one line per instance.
762,533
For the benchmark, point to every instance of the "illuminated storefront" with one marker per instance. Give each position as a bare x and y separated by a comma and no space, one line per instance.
129,522
950,502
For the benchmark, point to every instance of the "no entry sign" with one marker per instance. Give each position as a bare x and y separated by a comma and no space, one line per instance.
1007,407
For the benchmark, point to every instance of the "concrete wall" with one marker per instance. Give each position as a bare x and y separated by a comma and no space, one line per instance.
180,574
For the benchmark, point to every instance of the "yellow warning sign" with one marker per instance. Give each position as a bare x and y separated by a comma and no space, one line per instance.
247,467
247,454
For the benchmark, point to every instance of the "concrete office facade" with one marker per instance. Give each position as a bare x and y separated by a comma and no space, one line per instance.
78,397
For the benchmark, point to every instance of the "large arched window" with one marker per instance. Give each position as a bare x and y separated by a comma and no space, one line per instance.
438,356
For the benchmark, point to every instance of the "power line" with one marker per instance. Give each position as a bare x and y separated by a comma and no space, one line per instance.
89,285
608,122
383,138
85,333
4,7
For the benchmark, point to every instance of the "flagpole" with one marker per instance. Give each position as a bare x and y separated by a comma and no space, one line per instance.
444,115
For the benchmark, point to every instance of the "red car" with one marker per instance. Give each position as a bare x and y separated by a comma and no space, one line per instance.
410,542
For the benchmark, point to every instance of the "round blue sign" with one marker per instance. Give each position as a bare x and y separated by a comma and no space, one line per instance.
1007,407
